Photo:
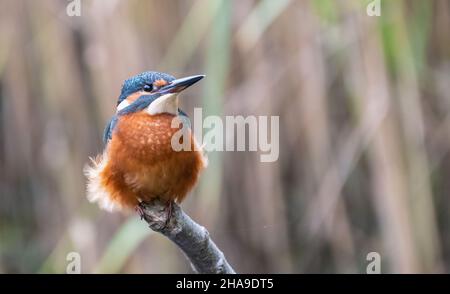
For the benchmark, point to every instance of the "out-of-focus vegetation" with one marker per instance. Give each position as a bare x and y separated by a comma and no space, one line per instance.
364,107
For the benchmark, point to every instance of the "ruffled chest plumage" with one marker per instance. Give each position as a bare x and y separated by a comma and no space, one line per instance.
144,135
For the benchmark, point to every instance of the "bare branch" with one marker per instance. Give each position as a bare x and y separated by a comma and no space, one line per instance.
192,238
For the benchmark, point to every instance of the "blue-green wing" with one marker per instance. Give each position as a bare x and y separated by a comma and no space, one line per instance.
107,133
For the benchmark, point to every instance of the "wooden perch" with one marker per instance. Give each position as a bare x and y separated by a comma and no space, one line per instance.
192,238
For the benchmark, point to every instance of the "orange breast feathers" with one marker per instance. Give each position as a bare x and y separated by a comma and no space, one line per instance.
139,164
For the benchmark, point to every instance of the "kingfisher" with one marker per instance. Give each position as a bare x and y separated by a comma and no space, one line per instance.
139,163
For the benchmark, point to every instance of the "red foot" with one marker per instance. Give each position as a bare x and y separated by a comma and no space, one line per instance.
169,212
140,210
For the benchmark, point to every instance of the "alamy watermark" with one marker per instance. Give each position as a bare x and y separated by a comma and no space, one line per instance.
374,265
74,263
374,8
234,133
74,8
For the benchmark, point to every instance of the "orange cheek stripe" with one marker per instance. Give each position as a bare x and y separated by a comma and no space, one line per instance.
133,97
160,83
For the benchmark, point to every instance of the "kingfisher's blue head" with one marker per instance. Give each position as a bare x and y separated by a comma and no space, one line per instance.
153,91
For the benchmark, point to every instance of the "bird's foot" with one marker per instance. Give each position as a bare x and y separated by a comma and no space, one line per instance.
161,216
169,212
140,210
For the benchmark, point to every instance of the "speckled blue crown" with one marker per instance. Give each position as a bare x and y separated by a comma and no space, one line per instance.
137,82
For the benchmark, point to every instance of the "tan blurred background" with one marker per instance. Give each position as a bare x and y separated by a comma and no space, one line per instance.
364,109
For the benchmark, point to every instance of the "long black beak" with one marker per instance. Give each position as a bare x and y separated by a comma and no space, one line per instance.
178,85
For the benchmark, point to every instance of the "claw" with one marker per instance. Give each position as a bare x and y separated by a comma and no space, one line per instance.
140,210
169,213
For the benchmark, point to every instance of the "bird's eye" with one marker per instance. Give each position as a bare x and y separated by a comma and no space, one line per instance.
148,87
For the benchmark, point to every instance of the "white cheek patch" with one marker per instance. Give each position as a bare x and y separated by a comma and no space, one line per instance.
122,105
165,104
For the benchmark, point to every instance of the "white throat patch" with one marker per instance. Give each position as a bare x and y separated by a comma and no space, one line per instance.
167,103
